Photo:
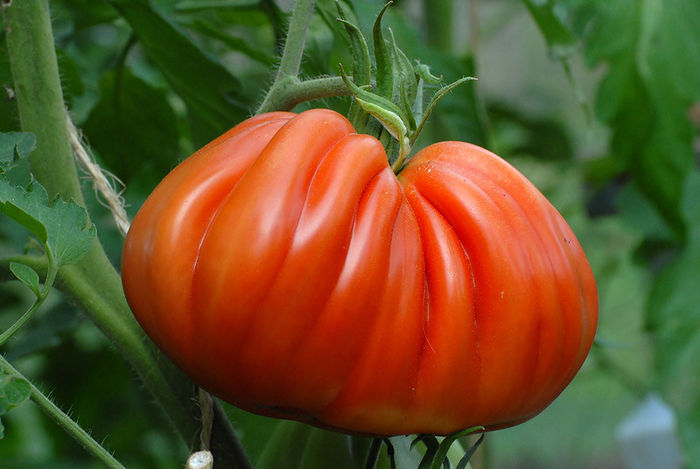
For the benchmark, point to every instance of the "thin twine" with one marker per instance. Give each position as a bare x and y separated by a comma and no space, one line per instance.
206,404
204,459
102,180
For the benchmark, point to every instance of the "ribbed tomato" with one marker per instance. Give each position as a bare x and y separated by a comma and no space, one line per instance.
287,270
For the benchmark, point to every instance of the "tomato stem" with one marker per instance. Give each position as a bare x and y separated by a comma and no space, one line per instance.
288,90
296,38
287,93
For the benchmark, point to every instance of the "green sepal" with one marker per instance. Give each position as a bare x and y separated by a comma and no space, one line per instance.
423,71
405,84
437,97
362,65
375,101
382,58
445,444
431,447
468,455
391,121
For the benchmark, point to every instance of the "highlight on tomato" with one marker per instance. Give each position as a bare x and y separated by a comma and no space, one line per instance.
288,270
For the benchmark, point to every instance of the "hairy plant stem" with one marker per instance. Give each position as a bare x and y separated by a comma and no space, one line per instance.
93,283
288,90
62,419
287,93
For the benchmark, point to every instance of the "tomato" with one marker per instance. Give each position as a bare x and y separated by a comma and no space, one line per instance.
287,270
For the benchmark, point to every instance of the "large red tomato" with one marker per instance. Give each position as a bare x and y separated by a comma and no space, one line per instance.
287,270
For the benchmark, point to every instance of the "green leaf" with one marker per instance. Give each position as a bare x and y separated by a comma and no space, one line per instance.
653,62
62,227
193,5
133,127
205,85
26,275
13,392
673,315
560,40
233,42
15,145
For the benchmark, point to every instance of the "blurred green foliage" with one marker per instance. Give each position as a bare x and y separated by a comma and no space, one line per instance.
597,101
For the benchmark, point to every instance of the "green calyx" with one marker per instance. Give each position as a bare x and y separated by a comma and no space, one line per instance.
395,97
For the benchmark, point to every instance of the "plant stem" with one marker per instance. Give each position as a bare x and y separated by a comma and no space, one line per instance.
40,99
296,38
288,93
293,52
62,419
48,283
92,283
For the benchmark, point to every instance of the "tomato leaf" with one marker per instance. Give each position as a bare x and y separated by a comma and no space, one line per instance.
653,64
673,314
62,227
13,392
26,275
188,5
205,85
121,123
560,40
14,145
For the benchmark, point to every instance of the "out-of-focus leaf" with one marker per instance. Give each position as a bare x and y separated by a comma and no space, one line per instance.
458,116
514,132
674,317
193,5
45,333
133,127
560,40
83,13
653,63
234,42
294,445
209,90
13,392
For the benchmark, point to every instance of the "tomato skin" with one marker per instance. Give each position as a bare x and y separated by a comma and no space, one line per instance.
287,270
